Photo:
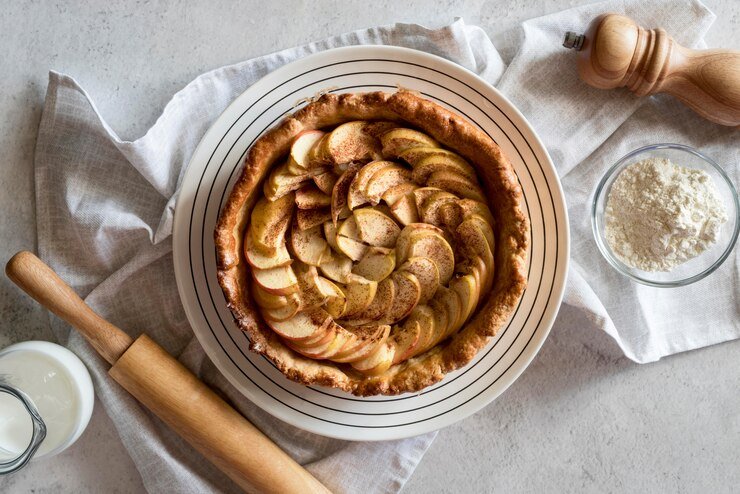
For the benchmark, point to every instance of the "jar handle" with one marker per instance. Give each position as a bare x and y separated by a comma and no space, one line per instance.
39,430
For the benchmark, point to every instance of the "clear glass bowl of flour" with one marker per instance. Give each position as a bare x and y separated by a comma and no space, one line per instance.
704,263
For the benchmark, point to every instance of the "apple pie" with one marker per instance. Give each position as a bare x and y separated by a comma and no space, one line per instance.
373,243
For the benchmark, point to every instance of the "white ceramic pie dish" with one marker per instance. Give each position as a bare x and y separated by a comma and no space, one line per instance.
214,168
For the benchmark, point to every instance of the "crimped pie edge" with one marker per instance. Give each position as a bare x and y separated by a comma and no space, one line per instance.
504,194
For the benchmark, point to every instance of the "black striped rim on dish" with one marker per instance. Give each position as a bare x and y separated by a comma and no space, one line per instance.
215,166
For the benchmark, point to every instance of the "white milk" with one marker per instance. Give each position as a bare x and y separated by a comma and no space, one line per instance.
58,384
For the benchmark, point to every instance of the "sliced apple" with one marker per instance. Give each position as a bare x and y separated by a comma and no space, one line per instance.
311,294
397,141
309,245
360,293
426,273
281,181
438,250
357,195
317,154
413,156
430,211
475,240
407,292
424,315
470,207
466,289
422,194
309,218
349,229
310,197
441,323
303,326
351,248
330,234
341,191
280,281
349,143
269,222
377,362
405,339
405,211
456,184
485,228
381,304
337,267
336,301
298,159
266,299
403,241
368,339
289,310
328,349
448,301
325,182
378,128
375,228
450,214
258,259
395,193
431,164
384,179
377,264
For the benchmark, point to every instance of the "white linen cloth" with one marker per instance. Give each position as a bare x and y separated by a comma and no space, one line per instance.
105,207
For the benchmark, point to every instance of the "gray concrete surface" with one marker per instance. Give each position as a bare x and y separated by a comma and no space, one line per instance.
582,418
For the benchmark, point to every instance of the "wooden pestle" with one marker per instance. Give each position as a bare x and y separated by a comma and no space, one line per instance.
169,390
616,52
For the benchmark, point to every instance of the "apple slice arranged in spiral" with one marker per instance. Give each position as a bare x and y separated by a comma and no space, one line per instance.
375,228
337,267
325,182
456,184
414,155
428,165
258,259
406,295
404,338
381,303
384,179
341,191
347,143
288,311
279,281
298,159
426,273
309,246
281,181
397,141
377,264
309,218
310,197
366,341
268,223
357,194
304,326
359,293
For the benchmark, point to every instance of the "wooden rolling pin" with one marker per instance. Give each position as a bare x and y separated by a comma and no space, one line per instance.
169,390
616,52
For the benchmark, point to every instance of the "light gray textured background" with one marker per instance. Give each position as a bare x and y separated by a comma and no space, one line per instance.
581,418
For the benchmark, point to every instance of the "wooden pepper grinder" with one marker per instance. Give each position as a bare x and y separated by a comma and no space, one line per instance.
616,52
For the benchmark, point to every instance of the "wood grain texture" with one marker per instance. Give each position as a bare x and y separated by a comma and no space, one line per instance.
208,423
43,285
617,52
169,390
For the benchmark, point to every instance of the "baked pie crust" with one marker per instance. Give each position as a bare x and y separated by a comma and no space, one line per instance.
404,109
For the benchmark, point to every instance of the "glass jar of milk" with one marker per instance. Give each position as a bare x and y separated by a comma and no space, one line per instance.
46,400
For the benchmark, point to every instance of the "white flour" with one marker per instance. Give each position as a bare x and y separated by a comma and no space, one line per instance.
659,215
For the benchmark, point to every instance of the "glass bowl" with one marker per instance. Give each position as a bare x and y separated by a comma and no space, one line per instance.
700,266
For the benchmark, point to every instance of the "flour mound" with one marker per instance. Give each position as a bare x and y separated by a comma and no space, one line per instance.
659,215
